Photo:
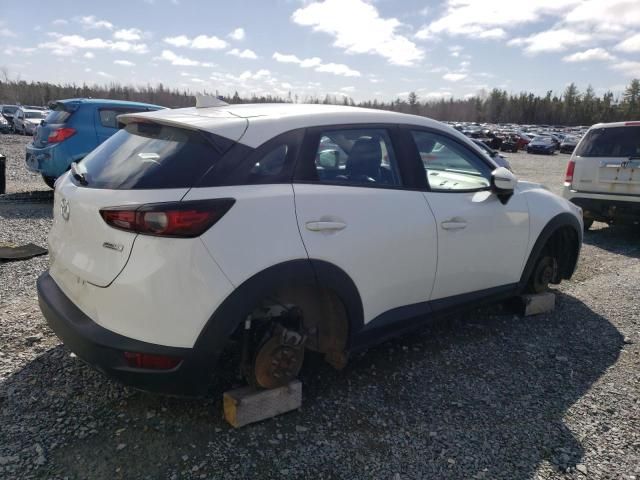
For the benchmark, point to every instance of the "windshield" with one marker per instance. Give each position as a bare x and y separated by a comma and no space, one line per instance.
9,110
611,142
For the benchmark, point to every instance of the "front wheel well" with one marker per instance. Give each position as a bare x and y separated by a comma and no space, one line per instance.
564,246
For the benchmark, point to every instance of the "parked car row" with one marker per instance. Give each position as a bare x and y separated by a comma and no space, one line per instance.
21,119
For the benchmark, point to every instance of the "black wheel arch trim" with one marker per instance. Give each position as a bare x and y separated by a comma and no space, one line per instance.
239,304
561,220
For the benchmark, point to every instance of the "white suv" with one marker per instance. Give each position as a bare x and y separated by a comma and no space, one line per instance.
603,175
276,229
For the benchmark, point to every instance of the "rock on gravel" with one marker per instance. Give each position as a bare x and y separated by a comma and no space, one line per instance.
483,395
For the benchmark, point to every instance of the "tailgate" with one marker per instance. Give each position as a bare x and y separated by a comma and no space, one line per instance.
81,242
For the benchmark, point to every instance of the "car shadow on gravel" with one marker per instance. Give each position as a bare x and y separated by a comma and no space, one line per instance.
619,239
478,396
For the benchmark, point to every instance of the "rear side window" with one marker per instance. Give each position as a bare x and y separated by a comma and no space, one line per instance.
611,142
149,155
109,116
272,162
58,114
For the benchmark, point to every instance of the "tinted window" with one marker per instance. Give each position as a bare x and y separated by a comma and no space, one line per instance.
449,165
357,157
34,114
9,110
272,162
58,114
146,155
108,117
611,142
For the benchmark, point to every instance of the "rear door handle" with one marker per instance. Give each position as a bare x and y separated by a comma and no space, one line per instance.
454,224
324,226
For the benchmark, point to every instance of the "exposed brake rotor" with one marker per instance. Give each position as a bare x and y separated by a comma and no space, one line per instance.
279,358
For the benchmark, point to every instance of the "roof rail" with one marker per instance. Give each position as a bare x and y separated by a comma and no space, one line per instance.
206,101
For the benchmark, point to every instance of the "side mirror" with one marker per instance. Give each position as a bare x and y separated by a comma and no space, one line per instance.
503,183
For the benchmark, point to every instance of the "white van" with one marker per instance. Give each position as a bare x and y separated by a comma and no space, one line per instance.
603,175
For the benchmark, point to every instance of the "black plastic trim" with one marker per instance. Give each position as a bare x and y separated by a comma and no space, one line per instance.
103,349
561,220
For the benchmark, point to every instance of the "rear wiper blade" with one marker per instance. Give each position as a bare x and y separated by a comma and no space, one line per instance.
79,176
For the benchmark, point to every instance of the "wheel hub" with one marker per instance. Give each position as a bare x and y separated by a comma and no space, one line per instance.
279,359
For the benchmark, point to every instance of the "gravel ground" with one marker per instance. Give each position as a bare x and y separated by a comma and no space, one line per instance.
485,395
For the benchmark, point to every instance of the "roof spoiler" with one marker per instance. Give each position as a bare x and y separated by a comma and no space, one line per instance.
206,101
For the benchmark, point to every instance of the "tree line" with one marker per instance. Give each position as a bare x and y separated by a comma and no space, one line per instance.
571,107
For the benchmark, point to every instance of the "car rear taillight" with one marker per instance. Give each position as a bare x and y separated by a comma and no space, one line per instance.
174,219
152,362
61,134
568,178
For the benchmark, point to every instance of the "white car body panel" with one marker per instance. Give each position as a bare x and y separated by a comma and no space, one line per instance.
259,231
389,241
78,242
165,294
484,243
388,244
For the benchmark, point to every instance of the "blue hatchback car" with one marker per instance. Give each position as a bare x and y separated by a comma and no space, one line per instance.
74,128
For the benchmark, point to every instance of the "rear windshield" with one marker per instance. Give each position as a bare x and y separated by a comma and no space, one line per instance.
611,142
34,114
9,110
58,114
148,155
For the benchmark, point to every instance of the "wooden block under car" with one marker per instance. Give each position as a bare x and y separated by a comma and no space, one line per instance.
534,304
249,405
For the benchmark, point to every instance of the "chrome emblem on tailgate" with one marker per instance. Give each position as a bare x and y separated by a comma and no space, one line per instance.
65,210
113,246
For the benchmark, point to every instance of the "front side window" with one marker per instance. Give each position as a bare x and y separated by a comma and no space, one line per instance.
360,157
448,165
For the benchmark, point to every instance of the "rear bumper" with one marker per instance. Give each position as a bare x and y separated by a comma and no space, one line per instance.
606,208
51,160
104,349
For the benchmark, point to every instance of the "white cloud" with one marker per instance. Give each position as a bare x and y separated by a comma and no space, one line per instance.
349,89
91,22
200,42
589,55
358,28
197,80
66,45
338,69
316,62
11,51
128,34
5,32
178,60
555,40
89,55
284,58
237,34
631,44
105,74
630,68
489,18
124,63
246,53
454,77
493,34
59,22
